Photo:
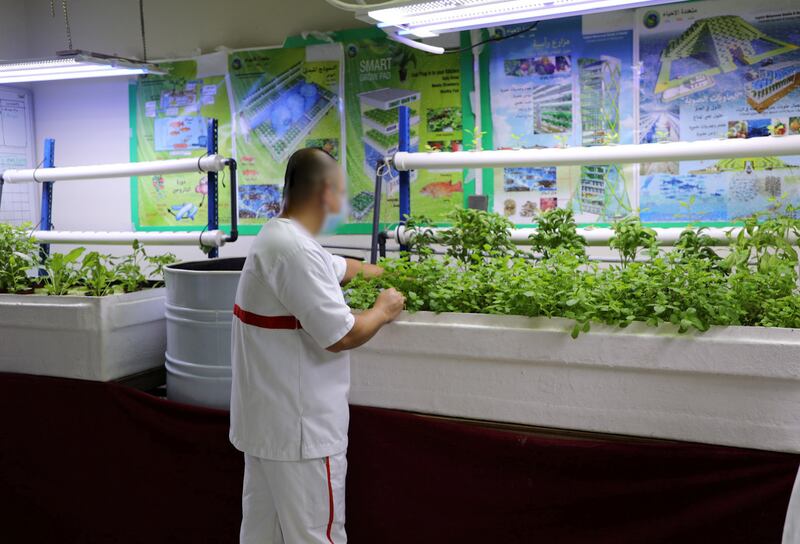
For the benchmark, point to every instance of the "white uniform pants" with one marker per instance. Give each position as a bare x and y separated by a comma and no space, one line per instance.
294,502
791,528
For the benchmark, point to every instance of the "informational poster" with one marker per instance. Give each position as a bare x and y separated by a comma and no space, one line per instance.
567,82
380,76
171,118
19,201
282,99
718,69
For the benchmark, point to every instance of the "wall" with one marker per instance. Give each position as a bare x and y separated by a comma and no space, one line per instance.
89,118
176,28
13,44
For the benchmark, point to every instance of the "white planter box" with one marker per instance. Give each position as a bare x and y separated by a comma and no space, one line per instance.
736,386
92,338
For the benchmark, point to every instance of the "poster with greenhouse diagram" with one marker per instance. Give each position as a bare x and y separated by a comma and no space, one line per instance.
281,100
567,82
170,120
382,75
721,69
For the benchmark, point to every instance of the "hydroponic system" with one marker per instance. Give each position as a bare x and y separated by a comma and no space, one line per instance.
496,332
107,313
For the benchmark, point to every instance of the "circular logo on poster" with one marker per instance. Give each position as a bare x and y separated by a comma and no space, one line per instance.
236,63
651,19
352,50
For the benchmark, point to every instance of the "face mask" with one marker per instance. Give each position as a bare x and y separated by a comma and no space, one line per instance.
331,222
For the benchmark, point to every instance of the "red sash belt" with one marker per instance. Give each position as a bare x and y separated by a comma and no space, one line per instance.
266,321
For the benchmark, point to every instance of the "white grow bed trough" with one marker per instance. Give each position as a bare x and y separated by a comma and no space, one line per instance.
733,386
91,338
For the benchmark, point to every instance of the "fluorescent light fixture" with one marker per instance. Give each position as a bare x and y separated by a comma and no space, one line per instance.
426,19
72,65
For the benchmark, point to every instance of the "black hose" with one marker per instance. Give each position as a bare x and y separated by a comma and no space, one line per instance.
382,237
234,235
376,214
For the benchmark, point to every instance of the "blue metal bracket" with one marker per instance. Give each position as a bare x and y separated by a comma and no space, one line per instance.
213,193
46,221
404,135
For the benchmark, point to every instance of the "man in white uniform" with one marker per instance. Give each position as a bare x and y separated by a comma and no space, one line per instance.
291,370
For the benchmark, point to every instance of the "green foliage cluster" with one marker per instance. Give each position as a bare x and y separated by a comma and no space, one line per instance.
385,117
18,254
691,287
444,119
75,272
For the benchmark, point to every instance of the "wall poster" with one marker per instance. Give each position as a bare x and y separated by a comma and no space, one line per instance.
568,82
718,69
380,76
282,99
169,116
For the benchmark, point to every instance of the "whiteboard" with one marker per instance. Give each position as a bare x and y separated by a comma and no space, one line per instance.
20,202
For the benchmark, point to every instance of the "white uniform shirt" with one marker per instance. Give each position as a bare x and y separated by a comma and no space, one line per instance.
289,394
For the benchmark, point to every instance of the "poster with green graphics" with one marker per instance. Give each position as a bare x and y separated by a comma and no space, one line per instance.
565,82
282,100
169,117
380,76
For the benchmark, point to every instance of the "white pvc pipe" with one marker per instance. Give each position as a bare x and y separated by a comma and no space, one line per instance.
614,154
208,163
414,43
211,238
595,236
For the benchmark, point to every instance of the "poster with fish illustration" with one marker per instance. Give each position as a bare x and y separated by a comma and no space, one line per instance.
380,76
169,121
718,69
281,100
567,82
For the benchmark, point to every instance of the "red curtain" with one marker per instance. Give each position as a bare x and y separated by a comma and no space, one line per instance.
94,462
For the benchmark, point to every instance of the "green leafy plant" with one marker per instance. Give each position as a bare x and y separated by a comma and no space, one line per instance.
690,214
63,272
476,235
688,288
98,274
18,255
475,142
157,264
557,229
133,271
420,242
782,312
630,237
66,273
694,243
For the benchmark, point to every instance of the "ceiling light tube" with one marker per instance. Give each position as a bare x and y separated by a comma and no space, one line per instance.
426,18
70,75
536,14
72,65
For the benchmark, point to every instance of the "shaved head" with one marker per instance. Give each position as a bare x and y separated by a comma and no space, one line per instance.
307,173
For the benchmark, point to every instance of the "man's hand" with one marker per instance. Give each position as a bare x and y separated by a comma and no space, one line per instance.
390,302
386,308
